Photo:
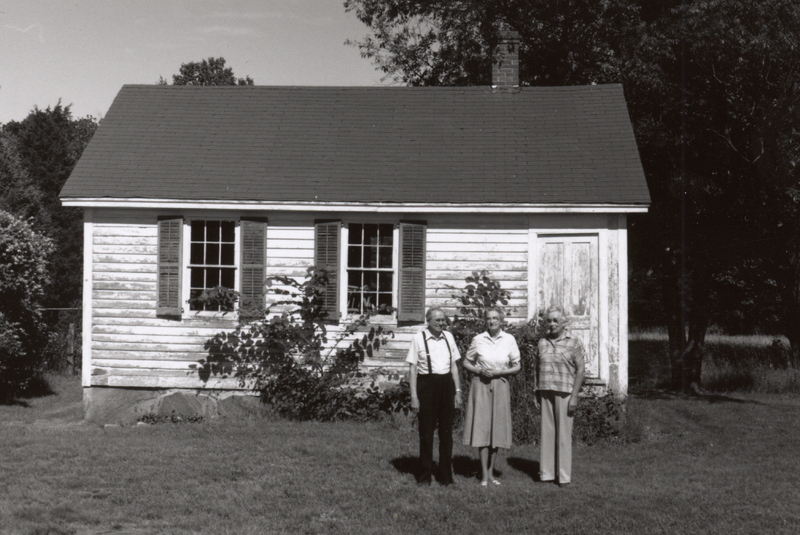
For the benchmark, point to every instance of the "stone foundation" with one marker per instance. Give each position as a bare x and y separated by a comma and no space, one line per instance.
113,405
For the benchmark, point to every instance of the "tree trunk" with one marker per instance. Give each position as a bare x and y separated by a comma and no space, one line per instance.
672,289
699,300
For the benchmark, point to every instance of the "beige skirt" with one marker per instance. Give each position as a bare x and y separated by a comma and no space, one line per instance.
488,418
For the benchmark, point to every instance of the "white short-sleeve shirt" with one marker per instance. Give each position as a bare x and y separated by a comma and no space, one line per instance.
444,352
493,353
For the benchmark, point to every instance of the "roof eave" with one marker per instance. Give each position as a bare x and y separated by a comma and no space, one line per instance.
182,204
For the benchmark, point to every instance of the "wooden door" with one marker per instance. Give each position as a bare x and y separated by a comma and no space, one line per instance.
568,276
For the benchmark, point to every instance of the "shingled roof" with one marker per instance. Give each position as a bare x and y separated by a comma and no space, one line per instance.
564,145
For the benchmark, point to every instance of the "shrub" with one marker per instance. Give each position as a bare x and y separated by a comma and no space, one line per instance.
23,277
290,360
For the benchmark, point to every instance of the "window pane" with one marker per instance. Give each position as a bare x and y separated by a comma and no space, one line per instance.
228,278
354,233
354,256
386,232
212,231
228,232
370,234
227,254
198,230
371,280
212,254
371,257
197,254
212,277
385,282
197,278
384,301
194,294
385,257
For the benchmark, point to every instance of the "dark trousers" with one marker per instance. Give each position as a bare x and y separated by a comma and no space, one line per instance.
436,395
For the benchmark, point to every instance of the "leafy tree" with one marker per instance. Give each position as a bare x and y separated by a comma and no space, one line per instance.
716,118
207,72
449,42
37,156
23,280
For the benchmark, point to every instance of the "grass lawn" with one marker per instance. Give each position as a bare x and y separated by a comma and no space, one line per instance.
720,464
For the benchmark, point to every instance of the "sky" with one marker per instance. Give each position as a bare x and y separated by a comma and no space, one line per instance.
83,51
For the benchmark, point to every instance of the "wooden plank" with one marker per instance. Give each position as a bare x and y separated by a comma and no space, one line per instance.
457,285
145,345
519,237
166,382
148,355
101,303
124,268
123,276
478,248
123,259
112,295
493,266
459,276
122,314
138,286
141,241
145,364
454,256
173,339
207,331
118,249
103,231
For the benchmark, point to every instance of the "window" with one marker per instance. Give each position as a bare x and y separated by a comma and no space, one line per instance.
212,260
215,258
370,274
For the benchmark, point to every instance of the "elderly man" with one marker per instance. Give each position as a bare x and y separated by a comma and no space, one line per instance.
561,373
435,393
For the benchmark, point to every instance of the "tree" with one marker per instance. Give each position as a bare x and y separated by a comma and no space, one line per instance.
449,42
716,118
37,156
207,72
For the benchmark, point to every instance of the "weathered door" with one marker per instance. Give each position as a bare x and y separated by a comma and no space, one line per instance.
568,276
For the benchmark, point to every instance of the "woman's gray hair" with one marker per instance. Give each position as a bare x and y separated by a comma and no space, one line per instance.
556,308
494,309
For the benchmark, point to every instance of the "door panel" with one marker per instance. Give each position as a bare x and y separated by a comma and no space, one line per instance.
568,276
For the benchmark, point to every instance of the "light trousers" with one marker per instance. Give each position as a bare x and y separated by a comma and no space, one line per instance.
555,463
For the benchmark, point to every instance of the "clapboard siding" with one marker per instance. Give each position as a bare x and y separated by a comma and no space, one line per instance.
125,329
455,250
132,346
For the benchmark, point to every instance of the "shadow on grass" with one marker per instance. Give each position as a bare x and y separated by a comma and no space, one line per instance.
37,388
467,466
526,466
462,466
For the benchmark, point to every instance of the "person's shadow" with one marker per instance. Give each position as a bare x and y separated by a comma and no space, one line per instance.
526,466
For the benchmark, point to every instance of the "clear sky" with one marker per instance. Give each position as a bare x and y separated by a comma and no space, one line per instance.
83,51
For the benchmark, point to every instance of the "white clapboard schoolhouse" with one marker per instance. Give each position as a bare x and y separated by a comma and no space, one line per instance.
400,192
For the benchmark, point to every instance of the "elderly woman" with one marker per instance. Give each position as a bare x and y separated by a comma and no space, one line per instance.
492,357
561,374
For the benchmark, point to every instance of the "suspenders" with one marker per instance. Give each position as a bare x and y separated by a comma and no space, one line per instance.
428,353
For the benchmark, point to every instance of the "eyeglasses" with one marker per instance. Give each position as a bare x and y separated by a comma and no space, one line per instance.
443,320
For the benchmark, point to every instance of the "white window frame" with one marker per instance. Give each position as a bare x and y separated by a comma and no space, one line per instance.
343,275
187,271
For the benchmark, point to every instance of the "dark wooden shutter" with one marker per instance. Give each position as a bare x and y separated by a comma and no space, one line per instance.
253,269
326,256
412,272
170,231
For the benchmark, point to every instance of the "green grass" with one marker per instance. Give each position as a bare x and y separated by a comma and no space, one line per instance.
752,363
715,464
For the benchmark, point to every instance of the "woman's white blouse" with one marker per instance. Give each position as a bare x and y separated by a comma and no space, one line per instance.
493,353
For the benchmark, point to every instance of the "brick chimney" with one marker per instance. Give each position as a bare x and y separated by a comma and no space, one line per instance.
505,60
